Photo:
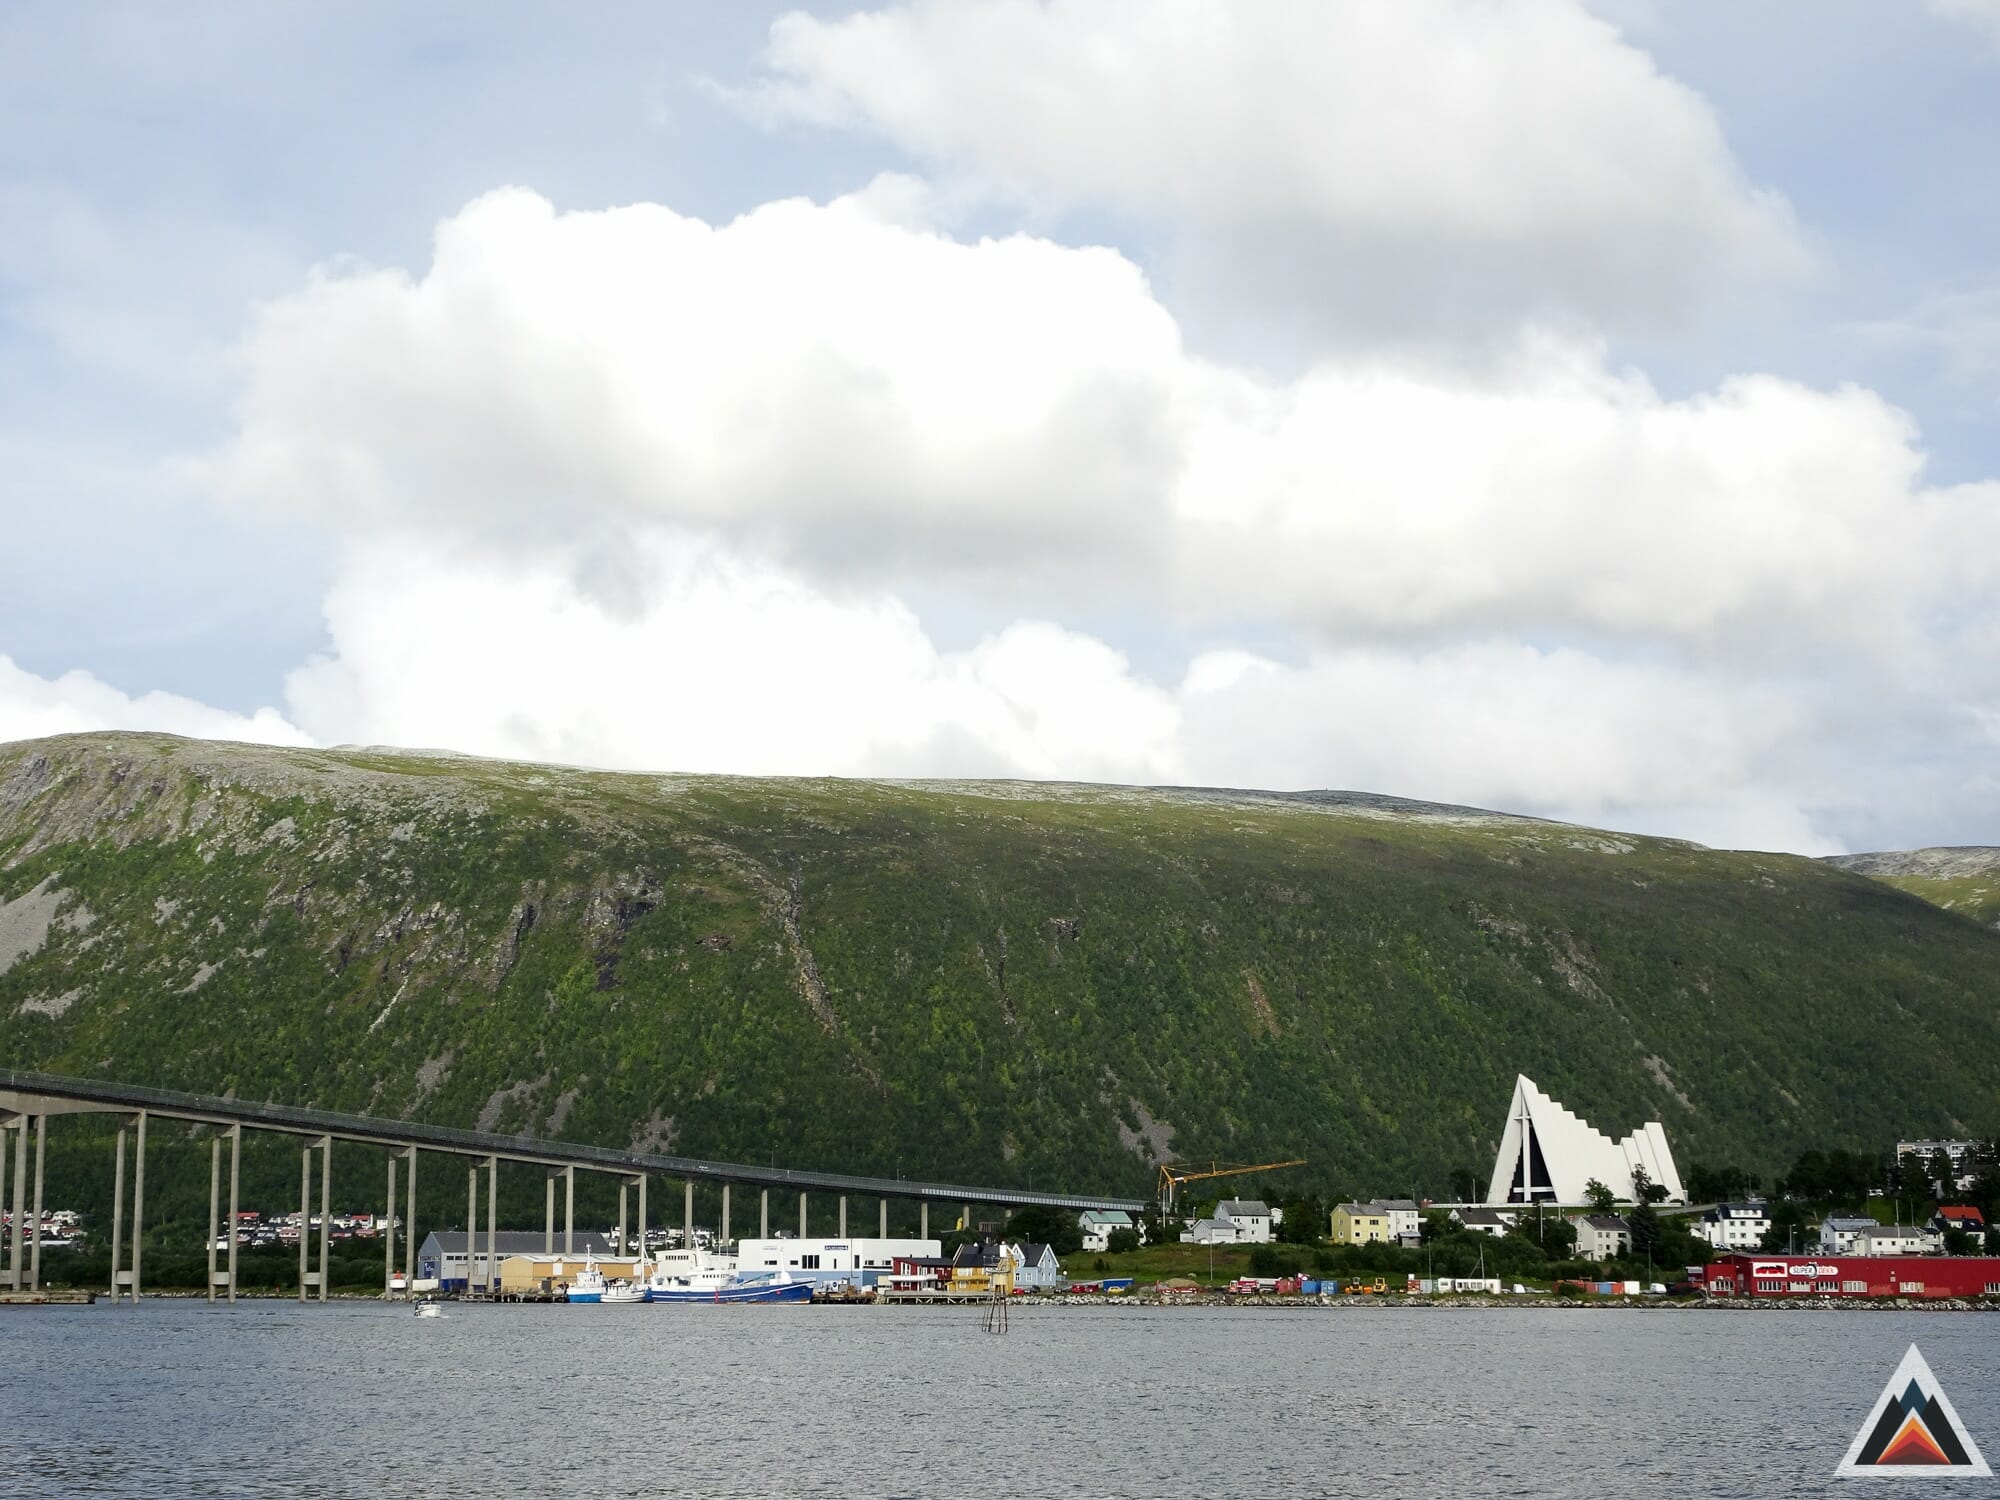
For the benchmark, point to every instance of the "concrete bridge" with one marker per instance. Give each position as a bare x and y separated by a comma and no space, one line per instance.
28,1101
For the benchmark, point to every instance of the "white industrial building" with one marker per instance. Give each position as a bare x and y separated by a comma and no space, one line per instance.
855,1260
1549,1155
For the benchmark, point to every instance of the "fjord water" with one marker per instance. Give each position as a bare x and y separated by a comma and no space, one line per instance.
273,1399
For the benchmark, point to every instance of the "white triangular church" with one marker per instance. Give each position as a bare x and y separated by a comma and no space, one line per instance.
1548,1155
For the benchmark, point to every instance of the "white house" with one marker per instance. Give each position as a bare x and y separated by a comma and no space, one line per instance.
1897,1239
1734,1226
1097,1224
1248,1217
1405,1222
1209,1232
1548,1155
1601,1236
1839,1235
1483,1220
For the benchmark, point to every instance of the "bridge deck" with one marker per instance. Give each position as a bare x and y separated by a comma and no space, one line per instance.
22,1092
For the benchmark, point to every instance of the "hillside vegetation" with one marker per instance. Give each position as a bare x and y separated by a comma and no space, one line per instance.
1007,983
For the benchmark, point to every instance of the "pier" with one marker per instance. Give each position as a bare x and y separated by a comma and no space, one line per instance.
29,1101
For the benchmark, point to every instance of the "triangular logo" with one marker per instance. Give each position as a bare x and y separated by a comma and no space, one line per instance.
1913,1430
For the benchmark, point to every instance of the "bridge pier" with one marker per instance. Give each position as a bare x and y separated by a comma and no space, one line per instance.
549,1177
843,1216
802,1215
471,1221
569,1211
214,1207
138,1202
764,1215
882,1204
641,1180
305,1217
117,1205
623,1188
492,1225
235,1192
725,1217
35,1217
924,1219
388,1236
687,1214
410,1234
15,1264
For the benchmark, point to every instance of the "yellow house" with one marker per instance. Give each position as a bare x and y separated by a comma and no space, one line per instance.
1359,1224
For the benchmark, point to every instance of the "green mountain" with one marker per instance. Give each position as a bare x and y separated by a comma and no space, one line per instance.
1966,881
997,982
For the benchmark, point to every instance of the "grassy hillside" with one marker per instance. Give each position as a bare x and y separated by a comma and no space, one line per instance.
1000,982
1966,881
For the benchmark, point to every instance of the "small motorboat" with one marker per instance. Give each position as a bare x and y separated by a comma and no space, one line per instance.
424,1307
624,1292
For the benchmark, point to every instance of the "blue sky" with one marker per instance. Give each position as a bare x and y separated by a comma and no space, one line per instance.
1581,409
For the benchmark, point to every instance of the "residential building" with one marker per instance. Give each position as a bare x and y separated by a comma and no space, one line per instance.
1360,1224
1839,1234
1601,1236
1734,1226
1898,1239
981,1268
1097,1225
1250,1218
1549,1155
1963,1156
1209,1232
1036,1268
1962,1216
1405,1221
1483,1220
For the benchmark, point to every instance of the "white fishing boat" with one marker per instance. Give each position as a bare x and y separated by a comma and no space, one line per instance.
689,1275
624,1291
588,1285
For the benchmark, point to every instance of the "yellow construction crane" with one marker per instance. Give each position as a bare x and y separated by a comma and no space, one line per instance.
1172,1177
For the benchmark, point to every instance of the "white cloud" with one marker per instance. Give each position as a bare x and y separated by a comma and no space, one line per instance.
1984,14
881,403
32,707
1385,168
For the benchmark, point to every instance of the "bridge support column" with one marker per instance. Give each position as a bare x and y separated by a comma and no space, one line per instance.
764,1215
641,1180
569,1211
305,1217
389,1236
802,1215
235,1198
965,1217
325,1215
843,1216
471,1222
138,1202
117,1205
924,1219
725,1216
410,1233
624,1190
687,1214
492,1226
18,1211
882,1205
549,1175
35,1217
214,1207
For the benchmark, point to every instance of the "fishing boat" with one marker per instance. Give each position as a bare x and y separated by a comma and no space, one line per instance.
624,1292
589,1283
689,1275
749,1286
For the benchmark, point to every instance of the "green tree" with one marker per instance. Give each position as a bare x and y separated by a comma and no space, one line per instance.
1055,1227
1598,1196
1122,1241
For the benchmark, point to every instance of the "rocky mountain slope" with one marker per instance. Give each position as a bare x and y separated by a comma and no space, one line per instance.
1036,984
1964,880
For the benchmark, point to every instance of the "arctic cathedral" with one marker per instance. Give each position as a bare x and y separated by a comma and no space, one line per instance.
1548,1155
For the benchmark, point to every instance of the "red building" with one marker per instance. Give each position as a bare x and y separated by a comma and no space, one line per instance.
1851,1276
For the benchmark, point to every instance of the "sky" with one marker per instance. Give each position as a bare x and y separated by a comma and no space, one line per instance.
1580,409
